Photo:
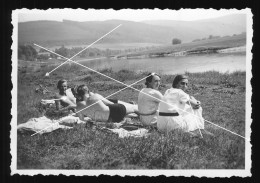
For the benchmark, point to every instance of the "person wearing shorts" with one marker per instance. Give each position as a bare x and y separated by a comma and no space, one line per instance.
99,108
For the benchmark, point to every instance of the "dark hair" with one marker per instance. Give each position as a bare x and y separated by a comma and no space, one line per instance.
150,78
60,82
177,79
81,91
74,90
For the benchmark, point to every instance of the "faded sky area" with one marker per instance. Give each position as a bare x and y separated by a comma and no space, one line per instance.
125,14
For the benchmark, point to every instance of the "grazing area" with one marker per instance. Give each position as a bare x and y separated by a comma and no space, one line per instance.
197,47
223,101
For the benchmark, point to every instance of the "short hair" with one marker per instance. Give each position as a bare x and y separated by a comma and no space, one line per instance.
60,82
150,78
81,91
177,79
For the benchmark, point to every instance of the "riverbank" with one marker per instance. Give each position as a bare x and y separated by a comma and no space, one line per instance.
223,101
228,44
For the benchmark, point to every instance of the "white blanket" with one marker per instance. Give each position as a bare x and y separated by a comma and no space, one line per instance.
46,125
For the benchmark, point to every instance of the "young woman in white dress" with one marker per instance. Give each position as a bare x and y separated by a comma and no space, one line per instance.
149,99
179,110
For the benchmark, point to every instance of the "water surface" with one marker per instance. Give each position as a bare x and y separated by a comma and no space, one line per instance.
172,65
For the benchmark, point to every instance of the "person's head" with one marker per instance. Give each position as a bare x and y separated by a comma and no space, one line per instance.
74,90
62,85
153,81
82,90
180,81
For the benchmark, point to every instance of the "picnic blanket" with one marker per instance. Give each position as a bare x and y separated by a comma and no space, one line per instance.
46,125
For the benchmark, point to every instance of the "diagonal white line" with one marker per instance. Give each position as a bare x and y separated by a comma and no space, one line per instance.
155,98
47,74
196,120
45,128
83,49
152,96
128,86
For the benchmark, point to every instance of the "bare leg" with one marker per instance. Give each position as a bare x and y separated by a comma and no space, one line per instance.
130,108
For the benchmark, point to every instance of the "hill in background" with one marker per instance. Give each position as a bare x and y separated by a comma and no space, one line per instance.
54,33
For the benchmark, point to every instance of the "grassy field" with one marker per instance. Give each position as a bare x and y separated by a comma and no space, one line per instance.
223,101
220,43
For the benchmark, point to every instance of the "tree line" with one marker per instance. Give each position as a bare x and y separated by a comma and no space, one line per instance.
215,37
29,53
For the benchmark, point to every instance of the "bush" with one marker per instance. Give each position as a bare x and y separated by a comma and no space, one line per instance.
176,41
27,52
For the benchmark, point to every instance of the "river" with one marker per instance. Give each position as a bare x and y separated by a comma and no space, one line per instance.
172,65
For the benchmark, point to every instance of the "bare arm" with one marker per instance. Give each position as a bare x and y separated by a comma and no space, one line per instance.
146,114
81,116
104,100
70,105
194,103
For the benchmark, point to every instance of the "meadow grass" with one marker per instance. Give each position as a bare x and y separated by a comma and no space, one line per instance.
220,43
223,103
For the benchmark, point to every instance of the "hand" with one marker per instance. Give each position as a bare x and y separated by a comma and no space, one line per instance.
72,114
196,106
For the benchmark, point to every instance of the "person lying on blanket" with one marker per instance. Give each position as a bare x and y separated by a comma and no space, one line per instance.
66,101
103,110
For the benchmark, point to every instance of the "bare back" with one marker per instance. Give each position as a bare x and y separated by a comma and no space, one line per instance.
98,111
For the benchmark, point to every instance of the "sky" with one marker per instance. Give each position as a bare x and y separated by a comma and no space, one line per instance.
125,14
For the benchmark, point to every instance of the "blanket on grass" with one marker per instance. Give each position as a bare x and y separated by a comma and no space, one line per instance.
46,125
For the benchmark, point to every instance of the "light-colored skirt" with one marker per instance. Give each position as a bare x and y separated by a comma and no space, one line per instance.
187,121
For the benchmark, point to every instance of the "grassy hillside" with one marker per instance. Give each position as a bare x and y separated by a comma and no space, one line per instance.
221,26
51,33
223,102
56,33
220,43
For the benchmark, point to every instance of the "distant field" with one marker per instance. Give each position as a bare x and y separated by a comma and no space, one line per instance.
225,42
111,46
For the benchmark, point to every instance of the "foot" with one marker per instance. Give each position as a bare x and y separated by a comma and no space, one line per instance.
132,115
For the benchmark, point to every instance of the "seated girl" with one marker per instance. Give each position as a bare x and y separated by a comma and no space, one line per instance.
179,110
66,101
149,99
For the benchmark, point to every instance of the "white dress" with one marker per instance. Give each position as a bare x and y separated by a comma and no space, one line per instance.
147,104
175,101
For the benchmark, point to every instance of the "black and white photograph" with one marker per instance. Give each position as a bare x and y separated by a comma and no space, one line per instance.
131,92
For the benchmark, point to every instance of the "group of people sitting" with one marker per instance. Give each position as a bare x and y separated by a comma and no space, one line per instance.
173,110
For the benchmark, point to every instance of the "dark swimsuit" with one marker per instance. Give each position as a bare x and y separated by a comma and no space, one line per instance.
64,104
117,112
